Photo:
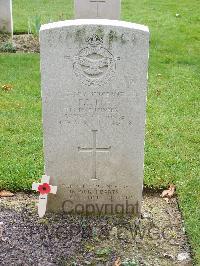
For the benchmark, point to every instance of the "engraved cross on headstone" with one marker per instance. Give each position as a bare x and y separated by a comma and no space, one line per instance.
94,151
97,3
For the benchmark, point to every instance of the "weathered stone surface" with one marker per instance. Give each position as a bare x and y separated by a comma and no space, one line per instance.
6,22
97,9
94,79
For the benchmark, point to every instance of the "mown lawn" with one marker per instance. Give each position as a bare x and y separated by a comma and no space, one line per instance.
27,14
172,135
20,116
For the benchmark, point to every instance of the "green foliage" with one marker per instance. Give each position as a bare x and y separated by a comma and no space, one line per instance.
7,48
34,25
103,252
129,262
28,15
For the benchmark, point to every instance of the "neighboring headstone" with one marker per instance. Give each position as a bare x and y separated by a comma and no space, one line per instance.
97,9
6,22
94,80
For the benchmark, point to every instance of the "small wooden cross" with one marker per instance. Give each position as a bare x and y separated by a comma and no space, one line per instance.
1,230
44,188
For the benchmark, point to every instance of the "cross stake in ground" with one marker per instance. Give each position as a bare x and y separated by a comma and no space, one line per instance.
44,188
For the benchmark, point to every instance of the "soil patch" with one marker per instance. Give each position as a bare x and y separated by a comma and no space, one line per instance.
23,43
157,238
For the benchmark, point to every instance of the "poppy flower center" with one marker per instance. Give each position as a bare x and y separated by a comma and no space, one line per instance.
44,188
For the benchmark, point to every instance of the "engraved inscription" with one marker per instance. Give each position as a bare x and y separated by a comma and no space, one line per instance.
94,150
97,191
83,109
94,64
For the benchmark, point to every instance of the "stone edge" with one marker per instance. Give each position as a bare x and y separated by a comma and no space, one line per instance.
102,22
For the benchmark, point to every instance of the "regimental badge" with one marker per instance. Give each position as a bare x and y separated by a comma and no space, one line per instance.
94,64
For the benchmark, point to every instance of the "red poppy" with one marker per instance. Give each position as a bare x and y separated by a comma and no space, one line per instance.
44,188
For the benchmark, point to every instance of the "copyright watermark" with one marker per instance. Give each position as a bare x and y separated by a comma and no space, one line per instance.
69,207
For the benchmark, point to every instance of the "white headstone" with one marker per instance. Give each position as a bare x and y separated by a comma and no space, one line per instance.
94,80
6,22
97,9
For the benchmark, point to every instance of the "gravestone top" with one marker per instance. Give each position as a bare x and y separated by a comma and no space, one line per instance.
6,21
97,9
100,22
94,80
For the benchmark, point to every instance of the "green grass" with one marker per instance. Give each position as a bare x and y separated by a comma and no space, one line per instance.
172,135
20,116
27,12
